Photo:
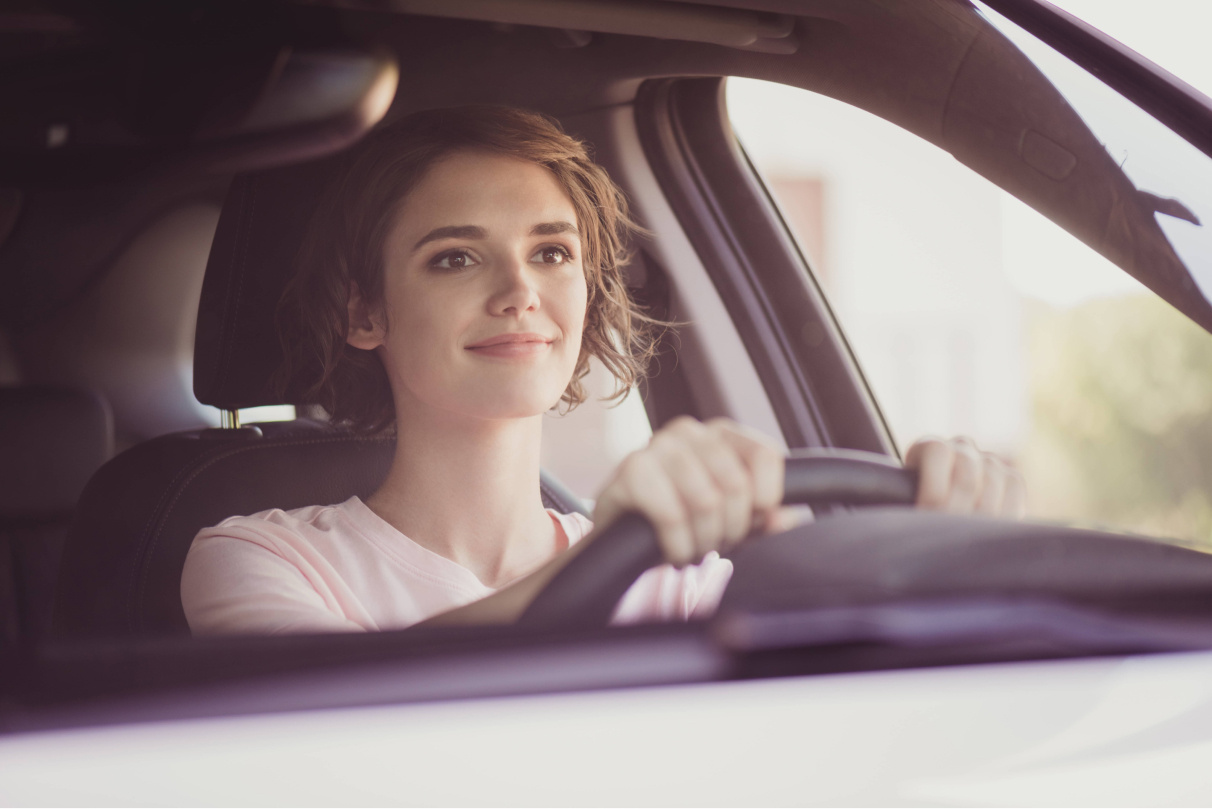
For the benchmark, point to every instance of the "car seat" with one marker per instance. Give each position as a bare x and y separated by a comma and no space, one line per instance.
54,439
121,568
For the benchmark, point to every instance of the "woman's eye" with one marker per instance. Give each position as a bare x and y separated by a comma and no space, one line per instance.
454,260
552,254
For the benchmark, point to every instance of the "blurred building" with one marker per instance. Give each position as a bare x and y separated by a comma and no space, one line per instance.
907,244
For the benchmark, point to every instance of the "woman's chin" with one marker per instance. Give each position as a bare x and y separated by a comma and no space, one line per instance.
480,399
501,406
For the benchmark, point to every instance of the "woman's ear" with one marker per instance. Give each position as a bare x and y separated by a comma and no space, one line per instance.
366,327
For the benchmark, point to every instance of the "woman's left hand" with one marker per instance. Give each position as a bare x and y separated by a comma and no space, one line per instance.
957,477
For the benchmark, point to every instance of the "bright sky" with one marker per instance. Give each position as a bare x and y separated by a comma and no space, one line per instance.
1171,33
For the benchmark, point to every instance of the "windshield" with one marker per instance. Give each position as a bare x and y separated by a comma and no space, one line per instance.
972,313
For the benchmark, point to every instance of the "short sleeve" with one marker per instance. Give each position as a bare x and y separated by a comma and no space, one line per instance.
666,593
238,581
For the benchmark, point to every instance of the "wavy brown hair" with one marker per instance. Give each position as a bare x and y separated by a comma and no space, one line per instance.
345,241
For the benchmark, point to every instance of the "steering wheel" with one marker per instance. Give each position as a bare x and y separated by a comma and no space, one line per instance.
584,594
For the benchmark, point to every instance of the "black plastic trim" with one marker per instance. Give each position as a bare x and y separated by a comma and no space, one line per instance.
128,681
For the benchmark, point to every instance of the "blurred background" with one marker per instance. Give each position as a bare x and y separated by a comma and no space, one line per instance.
971,314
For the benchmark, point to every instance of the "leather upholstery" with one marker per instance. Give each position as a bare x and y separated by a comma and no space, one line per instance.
236,347
52,439
122,567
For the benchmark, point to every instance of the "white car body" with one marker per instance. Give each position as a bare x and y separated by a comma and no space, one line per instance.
1110,731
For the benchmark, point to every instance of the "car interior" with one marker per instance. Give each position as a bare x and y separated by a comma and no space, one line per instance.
156,173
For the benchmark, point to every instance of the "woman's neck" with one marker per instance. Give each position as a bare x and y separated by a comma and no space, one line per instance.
468,489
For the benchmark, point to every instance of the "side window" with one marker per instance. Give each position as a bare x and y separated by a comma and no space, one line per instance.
971,314
582,448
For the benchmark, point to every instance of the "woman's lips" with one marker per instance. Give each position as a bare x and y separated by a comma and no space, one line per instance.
511,345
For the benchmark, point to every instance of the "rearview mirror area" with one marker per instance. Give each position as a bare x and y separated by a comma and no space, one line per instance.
219,89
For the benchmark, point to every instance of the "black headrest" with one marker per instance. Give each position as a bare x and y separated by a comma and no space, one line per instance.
53,440
236,348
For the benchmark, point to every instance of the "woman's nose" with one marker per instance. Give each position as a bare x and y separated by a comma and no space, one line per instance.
515,290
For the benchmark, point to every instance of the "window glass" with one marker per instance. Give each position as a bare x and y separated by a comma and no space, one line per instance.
972,314
250,415
1169,33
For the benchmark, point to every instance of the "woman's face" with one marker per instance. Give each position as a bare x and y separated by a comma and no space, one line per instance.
484,291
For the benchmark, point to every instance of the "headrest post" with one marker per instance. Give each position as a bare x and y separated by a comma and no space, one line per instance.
229,419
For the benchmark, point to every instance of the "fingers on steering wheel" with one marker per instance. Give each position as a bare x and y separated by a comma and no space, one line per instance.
1014,498
967,476
704,487
933,460
765,464
711,482
733,480
995,473
648,489
957,477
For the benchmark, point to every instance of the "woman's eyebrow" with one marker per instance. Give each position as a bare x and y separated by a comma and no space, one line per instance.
477,232
451,232
554,229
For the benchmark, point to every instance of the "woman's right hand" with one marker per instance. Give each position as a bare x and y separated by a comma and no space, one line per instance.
704,486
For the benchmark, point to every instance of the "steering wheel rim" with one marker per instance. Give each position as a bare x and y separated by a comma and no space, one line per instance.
584,594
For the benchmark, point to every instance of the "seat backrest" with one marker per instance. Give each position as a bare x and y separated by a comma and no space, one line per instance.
121,571
53,439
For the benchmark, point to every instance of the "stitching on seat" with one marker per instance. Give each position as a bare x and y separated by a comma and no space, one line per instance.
150,542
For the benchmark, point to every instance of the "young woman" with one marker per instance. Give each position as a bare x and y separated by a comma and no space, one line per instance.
456,281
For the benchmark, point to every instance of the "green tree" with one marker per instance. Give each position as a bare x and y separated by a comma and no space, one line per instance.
1122,418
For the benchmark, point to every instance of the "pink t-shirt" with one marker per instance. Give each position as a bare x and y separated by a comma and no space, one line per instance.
344,569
